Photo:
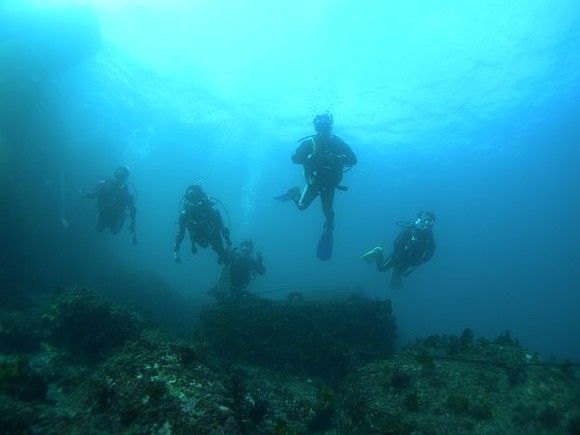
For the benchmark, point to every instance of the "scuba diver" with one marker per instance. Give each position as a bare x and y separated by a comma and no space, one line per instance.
115,196
413,246
204,223
241,270
324,157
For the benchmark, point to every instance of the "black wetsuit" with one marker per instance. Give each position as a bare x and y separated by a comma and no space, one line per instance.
114,199
243,268
206,227
324,158
412,247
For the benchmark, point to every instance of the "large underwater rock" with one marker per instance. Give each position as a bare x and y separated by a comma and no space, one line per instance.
158,384
87,324
459,385
312,338
19,324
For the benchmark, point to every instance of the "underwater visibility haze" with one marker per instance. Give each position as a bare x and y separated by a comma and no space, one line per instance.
468,109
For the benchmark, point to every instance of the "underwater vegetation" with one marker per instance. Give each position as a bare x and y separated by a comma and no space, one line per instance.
93,367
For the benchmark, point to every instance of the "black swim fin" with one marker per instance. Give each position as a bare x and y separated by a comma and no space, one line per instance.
396,279
292,194
325,245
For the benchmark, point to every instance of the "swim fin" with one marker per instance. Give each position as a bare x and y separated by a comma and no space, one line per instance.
292,194
372,255
325,244
396,279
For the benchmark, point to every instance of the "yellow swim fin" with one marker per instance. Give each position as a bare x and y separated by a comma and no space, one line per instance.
371,256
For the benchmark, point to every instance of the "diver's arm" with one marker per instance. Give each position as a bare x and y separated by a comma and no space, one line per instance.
131,207
259,267
345,153
429,249
302,153
226,234
132,211
96,190
225,231
402,240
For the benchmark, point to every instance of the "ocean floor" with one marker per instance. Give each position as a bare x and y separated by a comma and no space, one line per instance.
78,363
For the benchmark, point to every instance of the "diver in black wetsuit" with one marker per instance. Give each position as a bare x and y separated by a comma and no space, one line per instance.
115,197
204,223
413,246
324,157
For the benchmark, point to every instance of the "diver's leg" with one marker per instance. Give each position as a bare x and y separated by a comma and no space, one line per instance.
327,199
192,237
116,223
193,247
101,222
308,195
402,268
382,263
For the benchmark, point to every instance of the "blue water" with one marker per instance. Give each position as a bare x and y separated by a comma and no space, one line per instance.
466,108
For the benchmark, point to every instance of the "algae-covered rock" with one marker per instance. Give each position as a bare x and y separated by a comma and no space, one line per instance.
19,326
152,383
312,338
88,325
446,385
139,380
268,401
